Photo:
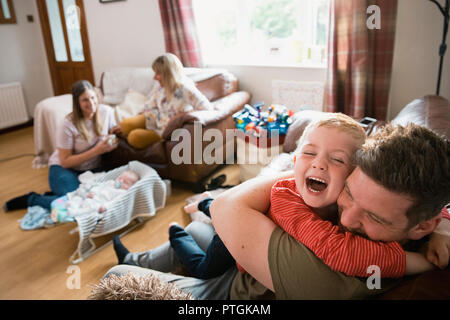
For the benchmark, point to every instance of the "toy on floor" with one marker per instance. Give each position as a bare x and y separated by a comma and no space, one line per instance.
253,120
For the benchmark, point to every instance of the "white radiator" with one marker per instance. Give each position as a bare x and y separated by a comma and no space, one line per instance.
298,95
13,110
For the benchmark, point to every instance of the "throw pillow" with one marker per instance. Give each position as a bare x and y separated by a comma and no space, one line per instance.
132,104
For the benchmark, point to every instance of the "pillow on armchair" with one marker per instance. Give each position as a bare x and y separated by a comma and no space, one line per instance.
132,104
116,82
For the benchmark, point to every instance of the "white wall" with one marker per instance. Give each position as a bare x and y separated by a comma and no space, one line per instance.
416,60
258,80
123,34
23,58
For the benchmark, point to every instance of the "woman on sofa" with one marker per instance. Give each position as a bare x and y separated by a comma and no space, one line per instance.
80,143
174,94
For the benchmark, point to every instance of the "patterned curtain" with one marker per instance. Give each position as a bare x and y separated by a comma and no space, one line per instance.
180,32
359,58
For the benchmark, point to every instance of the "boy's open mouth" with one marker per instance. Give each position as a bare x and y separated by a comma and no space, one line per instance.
316,184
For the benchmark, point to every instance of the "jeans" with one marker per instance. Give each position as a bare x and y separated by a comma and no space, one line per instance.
61,181
161,260
200,264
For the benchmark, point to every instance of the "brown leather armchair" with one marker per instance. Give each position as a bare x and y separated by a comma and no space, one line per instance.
222,90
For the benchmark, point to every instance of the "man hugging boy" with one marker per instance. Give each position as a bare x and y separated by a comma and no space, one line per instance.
300,206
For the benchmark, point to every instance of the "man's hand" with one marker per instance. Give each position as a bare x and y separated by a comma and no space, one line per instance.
438,252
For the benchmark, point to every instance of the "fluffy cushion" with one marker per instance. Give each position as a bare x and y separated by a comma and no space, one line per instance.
132,104
133,287
115,83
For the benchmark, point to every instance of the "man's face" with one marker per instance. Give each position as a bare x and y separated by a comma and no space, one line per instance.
368,209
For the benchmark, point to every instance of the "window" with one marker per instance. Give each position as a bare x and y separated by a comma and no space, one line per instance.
7,14
263,32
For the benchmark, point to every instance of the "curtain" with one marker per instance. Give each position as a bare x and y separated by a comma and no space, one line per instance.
360,58
180,32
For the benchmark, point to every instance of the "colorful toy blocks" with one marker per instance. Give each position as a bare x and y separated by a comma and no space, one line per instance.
253,120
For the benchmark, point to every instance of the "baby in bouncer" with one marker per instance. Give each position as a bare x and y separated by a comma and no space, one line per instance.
92,198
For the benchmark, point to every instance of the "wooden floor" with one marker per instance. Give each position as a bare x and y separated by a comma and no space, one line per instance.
34,264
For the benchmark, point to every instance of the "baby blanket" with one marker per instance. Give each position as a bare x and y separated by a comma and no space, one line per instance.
142,200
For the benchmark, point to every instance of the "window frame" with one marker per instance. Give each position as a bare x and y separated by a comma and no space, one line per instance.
278,64
3,19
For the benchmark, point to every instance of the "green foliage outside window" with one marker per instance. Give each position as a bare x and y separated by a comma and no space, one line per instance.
274,17
226,28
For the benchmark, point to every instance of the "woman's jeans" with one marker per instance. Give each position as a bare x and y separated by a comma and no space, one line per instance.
61,181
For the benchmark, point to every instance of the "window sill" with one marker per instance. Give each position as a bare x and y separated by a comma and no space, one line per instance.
269,65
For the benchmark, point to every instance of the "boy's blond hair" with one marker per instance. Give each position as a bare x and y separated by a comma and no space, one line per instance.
338,121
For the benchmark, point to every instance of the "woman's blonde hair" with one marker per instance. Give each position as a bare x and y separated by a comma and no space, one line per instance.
78,88
171,69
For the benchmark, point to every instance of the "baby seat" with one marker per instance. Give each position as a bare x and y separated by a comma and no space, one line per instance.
139,202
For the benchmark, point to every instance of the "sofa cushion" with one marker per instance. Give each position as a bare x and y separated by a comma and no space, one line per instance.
132,104
430,111
218,86
116,82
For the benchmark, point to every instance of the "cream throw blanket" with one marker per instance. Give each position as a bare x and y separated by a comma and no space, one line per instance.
48,114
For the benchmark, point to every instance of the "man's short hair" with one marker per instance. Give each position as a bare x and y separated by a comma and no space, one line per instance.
410,160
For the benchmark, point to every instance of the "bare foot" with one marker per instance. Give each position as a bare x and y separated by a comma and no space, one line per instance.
193,207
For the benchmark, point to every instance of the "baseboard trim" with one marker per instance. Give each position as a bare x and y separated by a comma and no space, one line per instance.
27,124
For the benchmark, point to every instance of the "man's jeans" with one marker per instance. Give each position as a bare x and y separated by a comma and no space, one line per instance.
163,259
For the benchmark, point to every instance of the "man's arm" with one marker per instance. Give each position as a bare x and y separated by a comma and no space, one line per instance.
238,215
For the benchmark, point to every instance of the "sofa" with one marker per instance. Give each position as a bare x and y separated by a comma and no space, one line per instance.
430,111
220,87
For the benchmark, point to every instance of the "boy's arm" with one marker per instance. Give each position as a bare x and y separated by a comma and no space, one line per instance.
237,217
438,251
341,251
417,263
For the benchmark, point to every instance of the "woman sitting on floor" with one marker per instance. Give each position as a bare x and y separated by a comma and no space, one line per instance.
80,143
